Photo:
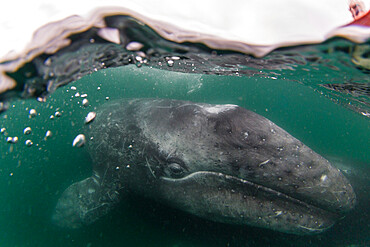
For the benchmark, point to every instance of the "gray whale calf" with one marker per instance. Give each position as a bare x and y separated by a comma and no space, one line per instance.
220,162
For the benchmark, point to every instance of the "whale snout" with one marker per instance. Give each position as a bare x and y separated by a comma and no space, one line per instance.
310,208
238,201
324,186
305,176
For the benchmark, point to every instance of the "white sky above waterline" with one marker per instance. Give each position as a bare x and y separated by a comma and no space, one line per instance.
262,22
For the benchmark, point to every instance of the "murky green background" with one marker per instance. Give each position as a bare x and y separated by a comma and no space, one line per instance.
32,178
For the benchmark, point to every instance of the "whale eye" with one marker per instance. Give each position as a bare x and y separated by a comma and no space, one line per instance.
175,170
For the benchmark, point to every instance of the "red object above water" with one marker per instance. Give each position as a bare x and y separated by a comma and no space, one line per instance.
362,21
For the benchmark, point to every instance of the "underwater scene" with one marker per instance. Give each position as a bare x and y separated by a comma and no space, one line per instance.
156,143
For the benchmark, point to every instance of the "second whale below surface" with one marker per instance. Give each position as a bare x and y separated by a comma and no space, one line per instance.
219,162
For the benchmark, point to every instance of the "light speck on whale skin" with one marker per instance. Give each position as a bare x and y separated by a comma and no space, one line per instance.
216,109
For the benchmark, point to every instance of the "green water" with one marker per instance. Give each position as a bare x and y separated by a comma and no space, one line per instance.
32,178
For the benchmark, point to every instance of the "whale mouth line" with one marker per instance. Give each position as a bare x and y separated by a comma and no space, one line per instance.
258,187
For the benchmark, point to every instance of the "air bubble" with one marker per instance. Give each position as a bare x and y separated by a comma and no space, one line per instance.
12,140
47,135
134,46
85,102
139,60
28,143
170,63
41,99
27,131
79,141
90,117
33,113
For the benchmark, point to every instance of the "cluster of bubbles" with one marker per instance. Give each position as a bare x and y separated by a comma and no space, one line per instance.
12,140
137,55
80,139
171,60
141,58
27,131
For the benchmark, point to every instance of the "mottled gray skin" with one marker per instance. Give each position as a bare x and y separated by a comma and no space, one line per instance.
220,162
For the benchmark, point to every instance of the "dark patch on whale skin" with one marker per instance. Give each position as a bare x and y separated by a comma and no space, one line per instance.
223,163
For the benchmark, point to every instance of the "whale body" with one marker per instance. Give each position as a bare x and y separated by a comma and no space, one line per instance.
220,162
